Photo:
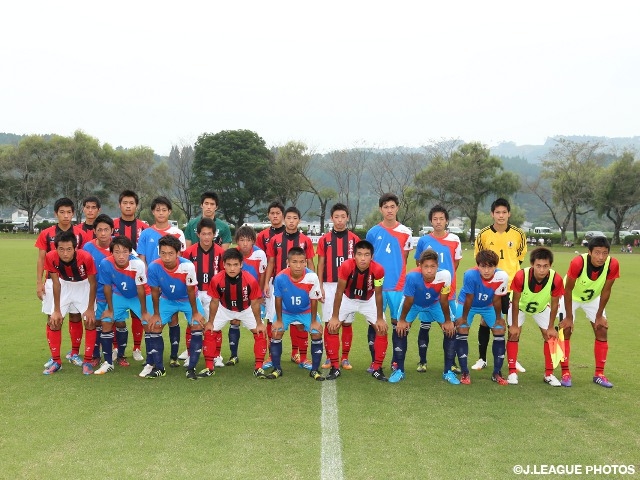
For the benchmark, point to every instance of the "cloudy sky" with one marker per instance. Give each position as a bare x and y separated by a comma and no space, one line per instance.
332,73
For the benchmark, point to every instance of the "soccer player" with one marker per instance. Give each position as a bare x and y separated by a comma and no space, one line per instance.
391,241
173,283
334,247
206,255
235,295
149,249
359,289
510,244
64,210
537,290
91,209
277,254
297,291
127,225
426,292
449,249
73,284
123,277
481,292
209,202
588,286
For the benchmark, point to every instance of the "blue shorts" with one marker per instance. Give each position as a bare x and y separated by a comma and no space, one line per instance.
488,314
123,305
101,306
169,307
303,318
392,299
429,314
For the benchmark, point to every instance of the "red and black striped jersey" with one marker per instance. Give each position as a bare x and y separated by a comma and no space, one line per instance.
208,263
360,284
236,293
265,236
129,228
76,270
87,232
46,238
280,245
336,247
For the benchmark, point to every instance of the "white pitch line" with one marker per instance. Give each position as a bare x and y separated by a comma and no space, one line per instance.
331,456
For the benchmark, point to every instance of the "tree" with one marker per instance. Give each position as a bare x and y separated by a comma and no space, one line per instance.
347,168
289,172
234,163
180,165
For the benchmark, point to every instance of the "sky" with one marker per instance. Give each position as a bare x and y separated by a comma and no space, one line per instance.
334,74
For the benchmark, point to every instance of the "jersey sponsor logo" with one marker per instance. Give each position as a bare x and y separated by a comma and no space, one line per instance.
278,244
245,294
81,269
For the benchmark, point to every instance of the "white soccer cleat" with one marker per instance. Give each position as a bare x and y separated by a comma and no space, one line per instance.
479,365
137,355
185,364
146,370
552,380
512,379
520,368
114,354
218,362
104,368
184,355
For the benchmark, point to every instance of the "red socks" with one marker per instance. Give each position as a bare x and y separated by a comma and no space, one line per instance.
303,343
512,355
209,349
548,363
75,332
380,345
332,344
600,350
347,336
54,339
89,344
259,349
137,330
293,334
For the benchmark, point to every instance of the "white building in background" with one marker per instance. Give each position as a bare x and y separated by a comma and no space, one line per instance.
20,216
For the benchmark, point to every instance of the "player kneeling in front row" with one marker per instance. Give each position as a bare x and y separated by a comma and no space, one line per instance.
536,290
235,295
173,283
296,290
359,290
124,280
481,294
426,293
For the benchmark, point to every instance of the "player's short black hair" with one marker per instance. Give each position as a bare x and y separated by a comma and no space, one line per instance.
66,236
206,223
363,245
541,253
232,254
245,231
104,218
428,254
123,242
296,251
439,209
388,197
500,202
339,207
211,195
91,199
161,201
128,193
598,242
487,257
276,204
64,202
170,241
292,210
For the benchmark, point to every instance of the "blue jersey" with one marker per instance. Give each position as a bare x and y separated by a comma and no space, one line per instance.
148,242
98,253
448,248
389,246
256,263
483,290
426,294
173,284
123,281
296,295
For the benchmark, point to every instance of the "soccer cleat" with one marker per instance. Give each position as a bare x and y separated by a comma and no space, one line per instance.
496,377
267,364
259,373
396,376
422,367
156,373
122,362
479,365
326,364
53,368
566,380
205,372
346,365
137,355
218,362
552,380
316,376
146,370
191,374
451,378
306,365
104,368
75,359
512,379
602,380
456,369
379,375
185,364
295,358
114,354
174,363
371,369
232,361
87,369
184,355
49,363
333,373
465,379
277,373
520,368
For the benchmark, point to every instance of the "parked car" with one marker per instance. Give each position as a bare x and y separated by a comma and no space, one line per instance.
455,230
424,230
625,233
593,233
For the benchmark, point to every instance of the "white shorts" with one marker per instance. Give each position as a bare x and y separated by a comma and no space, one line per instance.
205,299
270,312
224,316
542,318
349,307
74,297
590,308
329,297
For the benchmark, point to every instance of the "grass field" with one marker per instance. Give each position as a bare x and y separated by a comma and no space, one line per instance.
233,426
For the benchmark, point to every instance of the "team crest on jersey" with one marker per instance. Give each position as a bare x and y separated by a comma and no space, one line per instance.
510,244
140,279
81,269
